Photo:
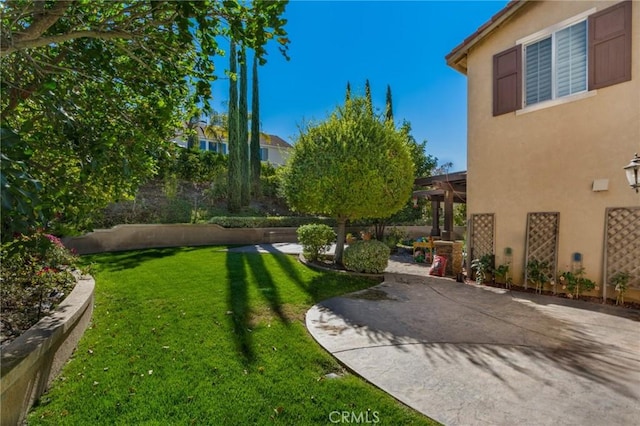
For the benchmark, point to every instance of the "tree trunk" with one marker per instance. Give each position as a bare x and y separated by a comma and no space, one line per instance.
379,227
342,234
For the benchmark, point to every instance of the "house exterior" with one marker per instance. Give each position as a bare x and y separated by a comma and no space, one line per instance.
553,117
273,149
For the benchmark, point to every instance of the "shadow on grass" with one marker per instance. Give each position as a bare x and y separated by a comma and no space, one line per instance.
288,264
267,287
120,261
238,303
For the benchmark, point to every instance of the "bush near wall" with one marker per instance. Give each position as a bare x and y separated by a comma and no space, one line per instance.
316,239
370,256
269,221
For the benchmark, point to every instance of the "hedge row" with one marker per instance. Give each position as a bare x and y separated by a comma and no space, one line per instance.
270,222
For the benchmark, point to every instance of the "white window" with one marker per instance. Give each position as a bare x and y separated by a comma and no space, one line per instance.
556,65
264,154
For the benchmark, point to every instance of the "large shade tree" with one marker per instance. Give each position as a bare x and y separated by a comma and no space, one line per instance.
351,166
95,89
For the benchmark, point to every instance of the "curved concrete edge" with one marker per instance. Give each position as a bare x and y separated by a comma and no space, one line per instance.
32,361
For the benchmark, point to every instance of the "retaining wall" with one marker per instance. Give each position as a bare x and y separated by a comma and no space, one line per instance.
136,237
34,359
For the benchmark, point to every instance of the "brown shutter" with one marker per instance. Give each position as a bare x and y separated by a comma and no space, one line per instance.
507,81
610,46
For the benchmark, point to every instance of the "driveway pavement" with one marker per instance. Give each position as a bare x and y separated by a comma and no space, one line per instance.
476,355
468,355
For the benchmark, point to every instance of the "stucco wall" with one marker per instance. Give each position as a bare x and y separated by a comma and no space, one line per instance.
547,160
33,360
134,237
278,156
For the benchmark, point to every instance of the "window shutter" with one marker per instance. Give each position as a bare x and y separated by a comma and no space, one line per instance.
507,81
610,46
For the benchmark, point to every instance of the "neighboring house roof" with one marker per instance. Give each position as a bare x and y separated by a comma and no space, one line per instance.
457,58
265,139
275,141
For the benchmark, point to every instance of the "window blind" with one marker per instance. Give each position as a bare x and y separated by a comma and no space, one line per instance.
571,60
538,69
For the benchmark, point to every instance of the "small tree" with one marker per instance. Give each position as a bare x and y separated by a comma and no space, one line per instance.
254,156
351,166
235,151
243,132
388,111
367,95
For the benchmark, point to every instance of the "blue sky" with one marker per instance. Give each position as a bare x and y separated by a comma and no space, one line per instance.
396,43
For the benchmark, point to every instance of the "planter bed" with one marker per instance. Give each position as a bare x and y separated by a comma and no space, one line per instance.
32,361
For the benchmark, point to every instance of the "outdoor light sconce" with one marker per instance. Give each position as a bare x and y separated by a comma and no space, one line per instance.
632,172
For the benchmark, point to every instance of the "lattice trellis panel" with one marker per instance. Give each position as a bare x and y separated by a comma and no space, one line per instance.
482,235
622,243
542,239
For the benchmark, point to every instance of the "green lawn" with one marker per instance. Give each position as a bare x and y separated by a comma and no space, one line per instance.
204,336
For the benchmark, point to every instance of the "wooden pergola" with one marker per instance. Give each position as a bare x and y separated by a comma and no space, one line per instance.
447,188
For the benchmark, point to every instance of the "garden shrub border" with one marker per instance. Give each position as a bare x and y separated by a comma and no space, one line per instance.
32,361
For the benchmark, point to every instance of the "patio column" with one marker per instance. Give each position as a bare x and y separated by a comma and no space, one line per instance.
447,233
435,218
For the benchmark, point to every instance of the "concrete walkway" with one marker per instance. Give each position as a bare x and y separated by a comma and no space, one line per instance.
471,355
465,355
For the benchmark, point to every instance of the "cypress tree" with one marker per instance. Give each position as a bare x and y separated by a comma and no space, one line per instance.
256,167
243,132
348,95
235,167
367,94
388,113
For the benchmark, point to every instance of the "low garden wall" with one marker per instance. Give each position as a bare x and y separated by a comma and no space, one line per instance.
33,360
136,237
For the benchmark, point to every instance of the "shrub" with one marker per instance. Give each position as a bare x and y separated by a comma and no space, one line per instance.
482,267
575,282
315,239
268,222
36,276
620,281
538,273
367,256
394,237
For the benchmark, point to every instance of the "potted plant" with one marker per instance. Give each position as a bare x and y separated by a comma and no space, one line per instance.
350,238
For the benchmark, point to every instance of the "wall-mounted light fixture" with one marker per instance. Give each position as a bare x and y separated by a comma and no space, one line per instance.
632,172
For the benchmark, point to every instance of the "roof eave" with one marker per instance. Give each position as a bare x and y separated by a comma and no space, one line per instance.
457,58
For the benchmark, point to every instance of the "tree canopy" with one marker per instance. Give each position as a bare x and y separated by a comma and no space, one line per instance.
351,166
96,89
